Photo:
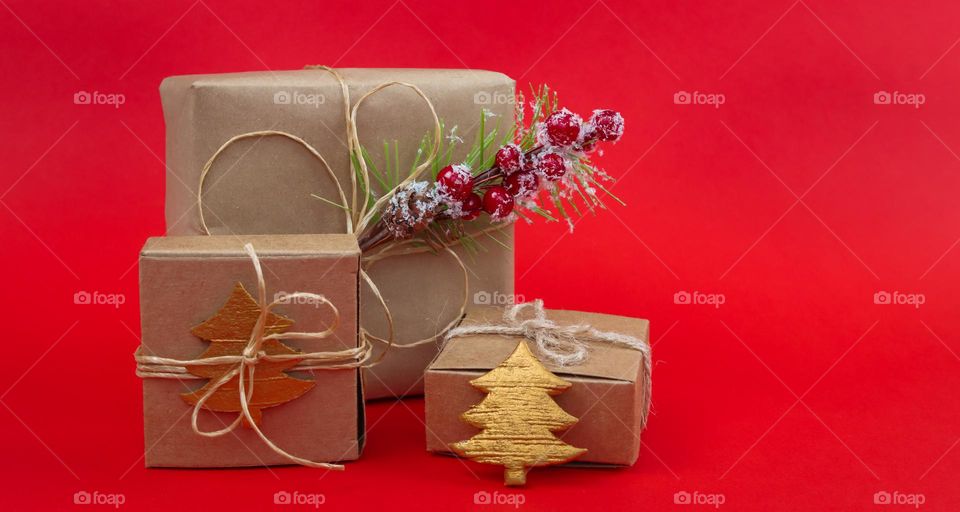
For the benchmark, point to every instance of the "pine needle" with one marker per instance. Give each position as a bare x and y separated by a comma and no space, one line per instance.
332,203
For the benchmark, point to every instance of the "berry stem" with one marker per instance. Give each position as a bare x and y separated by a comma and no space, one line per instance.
378,236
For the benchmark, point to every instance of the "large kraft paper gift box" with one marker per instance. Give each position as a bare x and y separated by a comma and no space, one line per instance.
609,394
265,185
185,281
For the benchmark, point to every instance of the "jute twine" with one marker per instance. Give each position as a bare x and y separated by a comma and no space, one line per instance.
358,214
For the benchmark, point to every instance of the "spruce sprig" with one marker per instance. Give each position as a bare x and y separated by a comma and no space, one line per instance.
579,191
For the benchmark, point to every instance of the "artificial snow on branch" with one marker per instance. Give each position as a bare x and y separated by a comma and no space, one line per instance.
546,160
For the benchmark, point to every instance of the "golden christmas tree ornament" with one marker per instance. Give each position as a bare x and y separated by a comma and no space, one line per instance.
518,418
229,332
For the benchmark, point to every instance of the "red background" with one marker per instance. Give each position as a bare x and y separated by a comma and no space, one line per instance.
797,200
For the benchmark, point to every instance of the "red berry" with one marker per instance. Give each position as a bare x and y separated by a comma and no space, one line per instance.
562,128
606,124
521,184
510,158
470,207
456,181
497,202
552,166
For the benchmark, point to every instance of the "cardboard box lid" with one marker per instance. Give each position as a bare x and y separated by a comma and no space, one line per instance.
361,78
605,361
325,245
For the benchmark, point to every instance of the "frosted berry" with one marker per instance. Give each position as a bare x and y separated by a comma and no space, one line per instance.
521,184
562,128
470,207
552,166
456,181
510,158
497,202
606,125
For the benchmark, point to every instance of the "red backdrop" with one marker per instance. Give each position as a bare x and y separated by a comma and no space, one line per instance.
794,202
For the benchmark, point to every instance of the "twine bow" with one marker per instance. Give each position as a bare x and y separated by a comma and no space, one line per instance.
563,345
245,364
361,214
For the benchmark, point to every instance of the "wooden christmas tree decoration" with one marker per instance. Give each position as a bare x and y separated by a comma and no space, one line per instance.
518,418
228,333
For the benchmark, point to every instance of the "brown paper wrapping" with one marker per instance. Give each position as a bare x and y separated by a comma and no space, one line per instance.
264,185
607,394
184,280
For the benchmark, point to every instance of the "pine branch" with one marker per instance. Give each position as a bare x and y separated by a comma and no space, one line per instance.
571,193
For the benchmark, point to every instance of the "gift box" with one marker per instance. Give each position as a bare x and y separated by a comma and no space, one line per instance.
609,392
198,299
266,185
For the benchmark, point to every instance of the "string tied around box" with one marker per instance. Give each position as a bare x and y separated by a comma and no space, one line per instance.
244,365
359,213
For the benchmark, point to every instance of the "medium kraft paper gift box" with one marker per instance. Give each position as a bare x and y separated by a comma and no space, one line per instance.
608,394
265,185
186,280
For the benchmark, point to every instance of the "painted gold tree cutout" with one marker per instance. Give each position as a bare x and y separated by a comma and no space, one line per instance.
228,332
518,418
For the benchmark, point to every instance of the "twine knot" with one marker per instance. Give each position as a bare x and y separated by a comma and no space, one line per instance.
563,345
251,357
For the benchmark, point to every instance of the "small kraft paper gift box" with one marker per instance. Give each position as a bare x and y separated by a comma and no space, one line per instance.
609,395
270,184
275,316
